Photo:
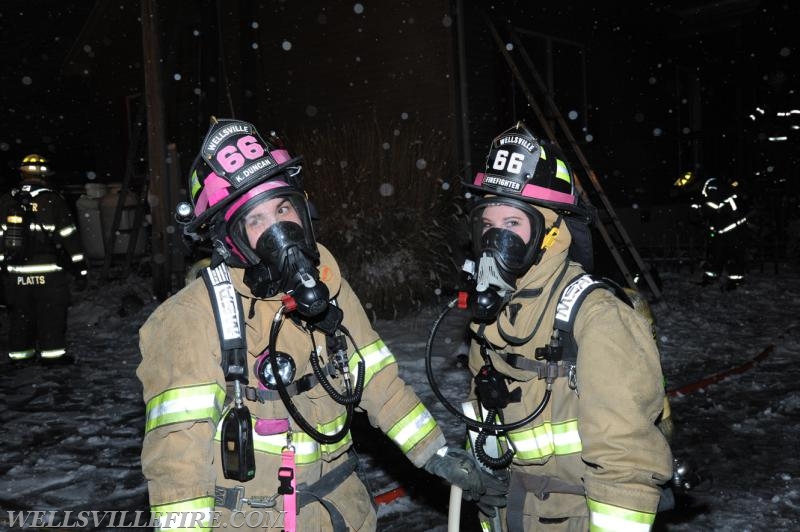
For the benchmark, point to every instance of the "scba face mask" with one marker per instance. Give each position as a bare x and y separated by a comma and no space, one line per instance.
285,254
507,236
283,250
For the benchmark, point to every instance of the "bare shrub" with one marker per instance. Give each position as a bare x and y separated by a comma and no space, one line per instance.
387,199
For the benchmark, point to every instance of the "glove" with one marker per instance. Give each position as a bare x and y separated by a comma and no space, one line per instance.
459,468
496,495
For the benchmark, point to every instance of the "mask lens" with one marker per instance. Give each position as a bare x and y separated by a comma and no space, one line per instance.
507,247
498,227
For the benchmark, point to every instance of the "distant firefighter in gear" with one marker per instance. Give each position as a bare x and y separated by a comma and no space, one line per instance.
719,205
252,372
39,249
567,378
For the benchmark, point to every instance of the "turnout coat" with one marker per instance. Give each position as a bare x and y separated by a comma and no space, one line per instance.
185,393
595,452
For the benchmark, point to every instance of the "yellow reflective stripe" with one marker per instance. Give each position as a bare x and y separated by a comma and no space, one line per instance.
307,450
331,428
604,517
547,439
486,527
67,230
14,219
562,172
376,357
566,437
193,403
182,514
412,428
39,268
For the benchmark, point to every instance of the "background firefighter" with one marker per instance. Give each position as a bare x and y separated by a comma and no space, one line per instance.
39,248
720,206
594,457
247,198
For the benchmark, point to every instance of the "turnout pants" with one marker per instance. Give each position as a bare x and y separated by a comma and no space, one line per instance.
37,310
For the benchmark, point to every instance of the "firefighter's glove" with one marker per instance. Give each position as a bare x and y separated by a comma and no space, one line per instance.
458,467
496,495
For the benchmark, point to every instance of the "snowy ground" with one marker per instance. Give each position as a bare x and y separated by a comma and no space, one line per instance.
71,435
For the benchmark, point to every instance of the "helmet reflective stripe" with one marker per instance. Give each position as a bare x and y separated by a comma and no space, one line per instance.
194,403
170,515
608,517
22,355
412,428
547,439
215,189
41,268
562,172
376,357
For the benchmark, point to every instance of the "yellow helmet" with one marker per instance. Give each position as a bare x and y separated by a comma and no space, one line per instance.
34,165
685,180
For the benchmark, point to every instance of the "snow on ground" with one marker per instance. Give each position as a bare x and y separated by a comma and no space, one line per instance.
71,434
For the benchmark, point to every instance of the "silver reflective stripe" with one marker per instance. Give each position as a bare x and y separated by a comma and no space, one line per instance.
53,353
617,519
67,230
412,428
192,403
38,268
22,355
77,258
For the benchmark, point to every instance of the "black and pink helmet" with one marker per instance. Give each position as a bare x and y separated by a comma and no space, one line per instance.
235,169
520,167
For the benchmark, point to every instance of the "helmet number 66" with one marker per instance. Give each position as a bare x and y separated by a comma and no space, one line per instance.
512,165
234,157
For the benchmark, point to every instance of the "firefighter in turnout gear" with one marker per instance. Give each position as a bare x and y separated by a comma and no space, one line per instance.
39,249
252,372
577,410
721,204
720,207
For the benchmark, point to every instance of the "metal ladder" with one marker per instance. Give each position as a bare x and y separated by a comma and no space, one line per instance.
605,224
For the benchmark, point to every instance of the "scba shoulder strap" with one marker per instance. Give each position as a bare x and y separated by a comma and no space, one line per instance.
569,303
229,316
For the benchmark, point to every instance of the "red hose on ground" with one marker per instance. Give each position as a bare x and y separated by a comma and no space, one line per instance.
699,385
388,496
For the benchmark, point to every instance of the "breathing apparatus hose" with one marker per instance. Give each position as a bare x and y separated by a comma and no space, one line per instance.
287,400
472,423
491,462
354,396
